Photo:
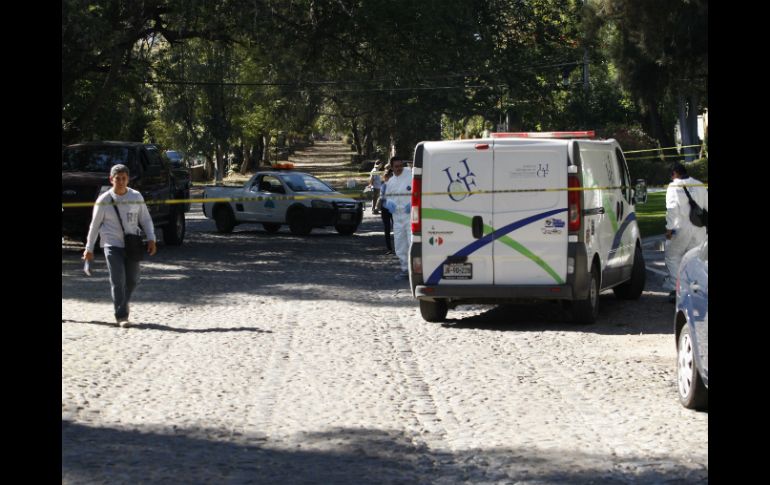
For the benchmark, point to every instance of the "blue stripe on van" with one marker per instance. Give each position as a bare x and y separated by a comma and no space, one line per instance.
438,273
619,234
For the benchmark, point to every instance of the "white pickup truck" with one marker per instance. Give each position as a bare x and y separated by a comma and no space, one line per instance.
275,198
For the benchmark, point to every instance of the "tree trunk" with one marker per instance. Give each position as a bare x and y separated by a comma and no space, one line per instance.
266,149
653,124
356,137
688,126
368,142
218,165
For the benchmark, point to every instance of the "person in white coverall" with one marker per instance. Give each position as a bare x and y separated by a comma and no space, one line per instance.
681,234
398,200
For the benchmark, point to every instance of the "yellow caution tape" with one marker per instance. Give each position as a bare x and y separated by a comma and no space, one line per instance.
260,198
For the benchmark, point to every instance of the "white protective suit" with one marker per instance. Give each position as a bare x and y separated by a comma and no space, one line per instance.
686,236
400,206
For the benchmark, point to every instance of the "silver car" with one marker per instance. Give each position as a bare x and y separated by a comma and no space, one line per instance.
691,328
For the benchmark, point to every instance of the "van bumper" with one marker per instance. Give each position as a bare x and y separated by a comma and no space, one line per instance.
575,288
494,292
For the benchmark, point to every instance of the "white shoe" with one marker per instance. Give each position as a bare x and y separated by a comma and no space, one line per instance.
123,323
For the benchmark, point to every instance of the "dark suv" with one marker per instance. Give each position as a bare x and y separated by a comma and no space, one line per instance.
85,175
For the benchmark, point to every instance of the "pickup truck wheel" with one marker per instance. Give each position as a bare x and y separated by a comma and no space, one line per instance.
346,229
433,311
586,311
271,227
224,218
174,231
298,224
632,289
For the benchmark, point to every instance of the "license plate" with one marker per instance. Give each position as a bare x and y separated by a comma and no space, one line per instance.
346,217
458,271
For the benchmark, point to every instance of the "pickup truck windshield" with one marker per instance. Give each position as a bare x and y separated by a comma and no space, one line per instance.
96,158
305,183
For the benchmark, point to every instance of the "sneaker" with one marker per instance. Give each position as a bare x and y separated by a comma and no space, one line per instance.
123,322
389,251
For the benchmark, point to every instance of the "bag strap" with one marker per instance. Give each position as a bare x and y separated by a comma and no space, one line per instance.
692,202
114,206
687,193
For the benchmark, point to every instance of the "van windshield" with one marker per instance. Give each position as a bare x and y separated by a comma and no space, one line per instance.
96,158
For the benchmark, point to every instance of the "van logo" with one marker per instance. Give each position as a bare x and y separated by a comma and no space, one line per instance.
460,184
542,171
554,223
436,241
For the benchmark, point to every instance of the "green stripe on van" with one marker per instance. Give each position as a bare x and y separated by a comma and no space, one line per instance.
449,216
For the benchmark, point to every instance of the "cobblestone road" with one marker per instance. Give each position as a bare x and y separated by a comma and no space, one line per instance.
262,358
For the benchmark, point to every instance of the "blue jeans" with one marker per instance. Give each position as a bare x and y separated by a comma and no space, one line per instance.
124,276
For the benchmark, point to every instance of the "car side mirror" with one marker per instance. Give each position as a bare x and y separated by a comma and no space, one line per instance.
640,192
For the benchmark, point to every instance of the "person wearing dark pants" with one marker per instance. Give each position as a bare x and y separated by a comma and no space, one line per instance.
387,217
118,212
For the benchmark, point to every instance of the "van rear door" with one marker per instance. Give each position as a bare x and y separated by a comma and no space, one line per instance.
451,253
530,224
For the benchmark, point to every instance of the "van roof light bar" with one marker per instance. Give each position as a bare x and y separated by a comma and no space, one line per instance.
547,134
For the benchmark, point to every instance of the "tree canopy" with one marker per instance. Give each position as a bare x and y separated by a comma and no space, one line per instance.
230,76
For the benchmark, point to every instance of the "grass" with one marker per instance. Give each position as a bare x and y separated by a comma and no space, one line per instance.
651,216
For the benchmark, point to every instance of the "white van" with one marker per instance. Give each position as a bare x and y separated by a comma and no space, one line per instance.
523,216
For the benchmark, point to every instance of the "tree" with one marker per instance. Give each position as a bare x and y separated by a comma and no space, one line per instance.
661,50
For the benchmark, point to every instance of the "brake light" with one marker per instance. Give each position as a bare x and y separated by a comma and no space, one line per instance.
416,202
573,203
547,134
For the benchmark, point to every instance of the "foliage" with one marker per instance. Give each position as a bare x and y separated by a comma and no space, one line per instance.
651,216
225,77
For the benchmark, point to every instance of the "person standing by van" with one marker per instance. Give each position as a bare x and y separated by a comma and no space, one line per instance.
375,182
681,234
387,217
399,203
124,274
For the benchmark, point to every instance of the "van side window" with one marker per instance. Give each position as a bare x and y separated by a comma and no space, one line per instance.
625,180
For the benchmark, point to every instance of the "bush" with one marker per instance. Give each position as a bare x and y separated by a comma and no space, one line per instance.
699,169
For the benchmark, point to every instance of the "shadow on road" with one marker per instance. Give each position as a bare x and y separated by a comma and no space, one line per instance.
166,328
340,456
651,314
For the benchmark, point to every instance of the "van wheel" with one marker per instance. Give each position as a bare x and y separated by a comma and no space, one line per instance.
224,218
174,231
632,289
433,311
586,311
271,227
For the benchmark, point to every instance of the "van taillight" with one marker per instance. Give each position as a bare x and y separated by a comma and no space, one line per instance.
416,203
573,202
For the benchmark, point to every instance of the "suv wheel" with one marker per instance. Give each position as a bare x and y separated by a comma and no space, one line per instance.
174,231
